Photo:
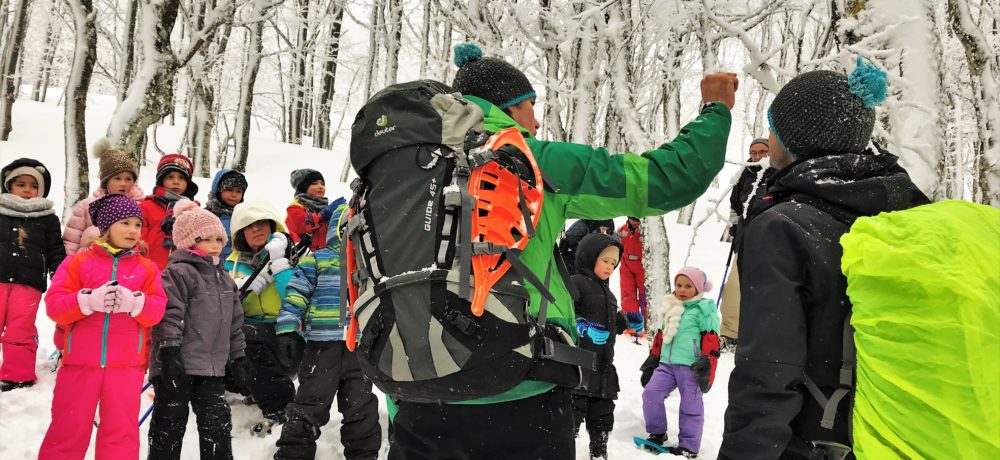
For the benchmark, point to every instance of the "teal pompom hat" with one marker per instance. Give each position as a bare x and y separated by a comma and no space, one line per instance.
492,79
823,113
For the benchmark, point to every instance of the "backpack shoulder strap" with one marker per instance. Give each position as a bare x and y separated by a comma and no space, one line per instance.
849,354
846,381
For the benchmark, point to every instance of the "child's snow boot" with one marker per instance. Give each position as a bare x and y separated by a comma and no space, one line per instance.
599,445
683,452
7,385
657,439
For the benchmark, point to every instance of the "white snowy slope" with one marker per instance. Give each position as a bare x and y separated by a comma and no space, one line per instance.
25,414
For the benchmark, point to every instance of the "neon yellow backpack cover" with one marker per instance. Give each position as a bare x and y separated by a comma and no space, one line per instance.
925,286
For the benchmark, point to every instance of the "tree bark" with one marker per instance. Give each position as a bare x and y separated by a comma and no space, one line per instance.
984,70
41,85
128,54
297,84
151,95
322,137
10,56
249,78
77,183
393,45
551,119
373,51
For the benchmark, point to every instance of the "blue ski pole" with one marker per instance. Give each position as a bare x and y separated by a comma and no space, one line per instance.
725,274
145,415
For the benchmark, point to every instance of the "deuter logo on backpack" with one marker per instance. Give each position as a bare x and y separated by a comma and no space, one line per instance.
382,123
439,216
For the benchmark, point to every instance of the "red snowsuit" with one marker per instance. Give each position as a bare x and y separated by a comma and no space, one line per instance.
632,275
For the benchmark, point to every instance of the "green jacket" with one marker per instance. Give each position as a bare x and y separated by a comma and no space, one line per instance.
595,184
685,347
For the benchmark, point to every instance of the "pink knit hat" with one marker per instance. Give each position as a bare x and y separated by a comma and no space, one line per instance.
698,277
192,223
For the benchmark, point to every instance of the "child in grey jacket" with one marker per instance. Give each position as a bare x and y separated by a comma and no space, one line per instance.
200,334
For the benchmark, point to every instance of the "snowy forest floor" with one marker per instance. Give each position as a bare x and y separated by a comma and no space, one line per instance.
25,414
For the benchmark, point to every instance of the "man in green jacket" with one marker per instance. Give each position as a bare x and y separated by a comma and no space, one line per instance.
534,419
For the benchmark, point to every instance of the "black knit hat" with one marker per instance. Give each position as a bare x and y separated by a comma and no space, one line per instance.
231,180
492,79
301,179
827,113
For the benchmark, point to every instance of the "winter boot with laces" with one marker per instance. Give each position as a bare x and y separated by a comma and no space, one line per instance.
683,452
599,445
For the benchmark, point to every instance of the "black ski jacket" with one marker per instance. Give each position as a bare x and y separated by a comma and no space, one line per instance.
794,300
597,304
31,245
741,192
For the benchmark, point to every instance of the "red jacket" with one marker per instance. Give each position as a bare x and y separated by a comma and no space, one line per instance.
105,339
300,221
156,208
632,276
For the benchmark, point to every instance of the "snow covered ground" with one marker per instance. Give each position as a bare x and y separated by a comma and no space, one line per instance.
25,415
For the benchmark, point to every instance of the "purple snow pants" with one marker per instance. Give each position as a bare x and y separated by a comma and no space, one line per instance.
666,378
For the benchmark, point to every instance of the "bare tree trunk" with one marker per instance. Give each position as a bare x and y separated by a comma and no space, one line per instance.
322,137
656,259
446,51
551,119
128,54
151,96
393,45
77,183
425,35
52,32
10,56
984,70
247,82
297,84
373,51
3,21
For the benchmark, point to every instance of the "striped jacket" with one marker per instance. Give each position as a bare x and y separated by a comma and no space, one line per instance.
312,299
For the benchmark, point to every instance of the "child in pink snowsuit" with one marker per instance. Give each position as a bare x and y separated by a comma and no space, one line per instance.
30,250
107,297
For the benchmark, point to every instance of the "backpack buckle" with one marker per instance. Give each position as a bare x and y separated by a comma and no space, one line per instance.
488,248
464,324
356,184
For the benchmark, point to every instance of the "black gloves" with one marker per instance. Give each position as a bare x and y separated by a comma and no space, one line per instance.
290,348
703,367
242,374
647,368
172,367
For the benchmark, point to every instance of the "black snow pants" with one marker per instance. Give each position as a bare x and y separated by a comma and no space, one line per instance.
272,386
170,415
599,413
328,369
539,427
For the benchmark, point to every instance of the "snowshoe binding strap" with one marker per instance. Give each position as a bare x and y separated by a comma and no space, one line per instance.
497,218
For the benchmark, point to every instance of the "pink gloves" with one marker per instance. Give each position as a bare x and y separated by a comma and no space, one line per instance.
100,299
110,298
